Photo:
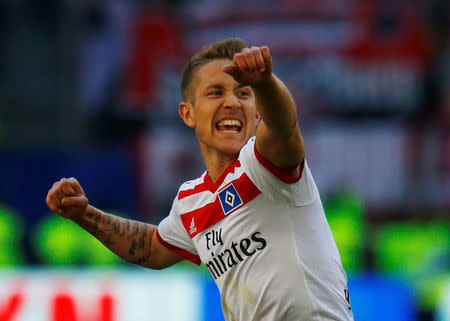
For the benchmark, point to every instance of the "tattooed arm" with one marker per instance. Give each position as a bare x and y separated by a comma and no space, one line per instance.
133,241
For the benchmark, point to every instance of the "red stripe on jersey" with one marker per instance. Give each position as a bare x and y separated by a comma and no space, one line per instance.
186,254
278,172
207,184
197,189
204,217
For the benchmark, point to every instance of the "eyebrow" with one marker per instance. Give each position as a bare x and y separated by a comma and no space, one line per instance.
219,86
215,86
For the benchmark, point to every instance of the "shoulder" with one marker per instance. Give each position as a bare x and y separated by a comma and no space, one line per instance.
247,149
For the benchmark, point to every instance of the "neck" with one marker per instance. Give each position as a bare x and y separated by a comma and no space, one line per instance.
216,164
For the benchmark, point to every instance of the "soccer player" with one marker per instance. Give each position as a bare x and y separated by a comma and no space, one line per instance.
254,218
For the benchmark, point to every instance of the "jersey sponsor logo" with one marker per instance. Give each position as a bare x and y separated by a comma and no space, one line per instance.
192,228
213,238
225,259
229,199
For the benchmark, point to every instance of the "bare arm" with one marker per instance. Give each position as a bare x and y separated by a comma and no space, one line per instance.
278,135
133,241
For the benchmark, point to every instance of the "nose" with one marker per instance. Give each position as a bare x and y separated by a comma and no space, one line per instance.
231,101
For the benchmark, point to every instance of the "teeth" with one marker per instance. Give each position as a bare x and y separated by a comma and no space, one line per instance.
229,122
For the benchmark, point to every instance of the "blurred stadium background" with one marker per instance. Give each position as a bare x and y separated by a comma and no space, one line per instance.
90,88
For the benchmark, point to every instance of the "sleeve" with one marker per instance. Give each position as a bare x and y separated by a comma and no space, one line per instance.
273,182
171,234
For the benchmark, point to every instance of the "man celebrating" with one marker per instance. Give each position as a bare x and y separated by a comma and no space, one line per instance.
254,217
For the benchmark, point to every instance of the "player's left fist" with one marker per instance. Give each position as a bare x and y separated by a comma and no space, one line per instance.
252,66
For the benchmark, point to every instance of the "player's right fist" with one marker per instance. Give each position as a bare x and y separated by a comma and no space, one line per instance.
67,198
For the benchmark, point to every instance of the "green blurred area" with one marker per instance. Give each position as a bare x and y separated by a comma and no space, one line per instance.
11,233
417,251
61,242
345,215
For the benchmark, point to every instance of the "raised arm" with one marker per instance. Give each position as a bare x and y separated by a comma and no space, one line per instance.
278,137
134,241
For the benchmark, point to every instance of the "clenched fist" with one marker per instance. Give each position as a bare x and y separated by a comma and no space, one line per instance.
67,198
252,66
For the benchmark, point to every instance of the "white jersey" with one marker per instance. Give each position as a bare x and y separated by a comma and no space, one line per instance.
265,240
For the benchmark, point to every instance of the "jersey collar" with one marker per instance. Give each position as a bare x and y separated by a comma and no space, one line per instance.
212,187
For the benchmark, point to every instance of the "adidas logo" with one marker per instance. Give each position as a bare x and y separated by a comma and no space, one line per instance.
192,228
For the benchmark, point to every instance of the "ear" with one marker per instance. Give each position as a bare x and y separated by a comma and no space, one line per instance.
186,111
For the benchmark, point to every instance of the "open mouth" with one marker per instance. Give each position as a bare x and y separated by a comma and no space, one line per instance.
229,126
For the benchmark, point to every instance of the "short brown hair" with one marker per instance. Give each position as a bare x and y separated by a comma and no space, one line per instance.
223,49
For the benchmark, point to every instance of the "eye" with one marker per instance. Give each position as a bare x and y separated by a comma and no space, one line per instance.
215,93
243,94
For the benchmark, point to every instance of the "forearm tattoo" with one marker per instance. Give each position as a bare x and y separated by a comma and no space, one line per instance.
129,239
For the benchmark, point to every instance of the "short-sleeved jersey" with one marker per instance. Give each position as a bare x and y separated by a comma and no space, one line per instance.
265,239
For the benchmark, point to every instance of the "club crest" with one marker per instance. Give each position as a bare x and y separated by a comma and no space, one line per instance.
229,199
